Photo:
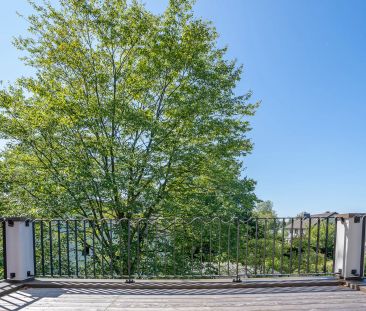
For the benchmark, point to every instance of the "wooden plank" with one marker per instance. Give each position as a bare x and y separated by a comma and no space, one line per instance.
301,298
202,284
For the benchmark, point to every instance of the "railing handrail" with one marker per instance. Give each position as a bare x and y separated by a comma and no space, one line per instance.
207,218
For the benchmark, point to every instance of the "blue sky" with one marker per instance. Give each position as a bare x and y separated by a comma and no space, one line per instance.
306,62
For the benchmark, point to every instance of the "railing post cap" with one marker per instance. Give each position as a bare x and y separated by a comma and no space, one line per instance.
350,215
18,218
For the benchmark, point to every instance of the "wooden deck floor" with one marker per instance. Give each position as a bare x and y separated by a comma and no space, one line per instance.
286,298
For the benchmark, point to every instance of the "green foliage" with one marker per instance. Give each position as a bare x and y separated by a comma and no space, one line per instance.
128,113
133,115
264,209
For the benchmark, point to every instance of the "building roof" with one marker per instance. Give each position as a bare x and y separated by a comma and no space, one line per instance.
305,221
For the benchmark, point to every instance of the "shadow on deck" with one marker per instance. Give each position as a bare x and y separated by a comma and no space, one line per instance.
269,294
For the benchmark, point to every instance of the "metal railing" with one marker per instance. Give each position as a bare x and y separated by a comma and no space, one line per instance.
184,248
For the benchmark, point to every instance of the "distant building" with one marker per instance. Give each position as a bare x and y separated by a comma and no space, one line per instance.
298,225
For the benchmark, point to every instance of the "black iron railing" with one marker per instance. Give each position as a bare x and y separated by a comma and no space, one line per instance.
184,248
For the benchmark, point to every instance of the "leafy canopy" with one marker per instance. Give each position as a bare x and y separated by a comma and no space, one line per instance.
128,113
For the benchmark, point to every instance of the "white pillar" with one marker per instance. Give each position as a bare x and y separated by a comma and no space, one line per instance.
349,248
19,249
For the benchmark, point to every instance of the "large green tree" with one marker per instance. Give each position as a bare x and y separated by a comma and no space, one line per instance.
128,113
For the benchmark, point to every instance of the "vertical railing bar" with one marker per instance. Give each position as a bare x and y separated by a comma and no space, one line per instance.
181,250
94,250
300,248
51,242
201,250
264,246
68,248
147,247
317,246
174,247
165,253
138,250
111,248
120,243
210,248
219,271
309,242
282,244
102,246
334,243
246,249
228,250
274,243
256,247
85,250
155,236
192,250
291,242
34,249
129,250
237,250
326,245
76,248
185,265
192,261
59,247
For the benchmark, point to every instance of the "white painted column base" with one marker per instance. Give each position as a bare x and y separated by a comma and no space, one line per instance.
19,249
349,248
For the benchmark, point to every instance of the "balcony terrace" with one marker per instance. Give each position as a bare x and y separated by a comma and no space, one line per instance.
253,265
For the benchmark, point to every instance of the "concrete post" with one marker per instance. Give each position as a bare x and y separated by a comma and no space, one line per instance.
350,246
19,249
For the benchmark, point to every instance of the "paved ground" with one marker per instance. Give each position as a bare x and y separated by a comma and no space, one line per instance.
285,298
